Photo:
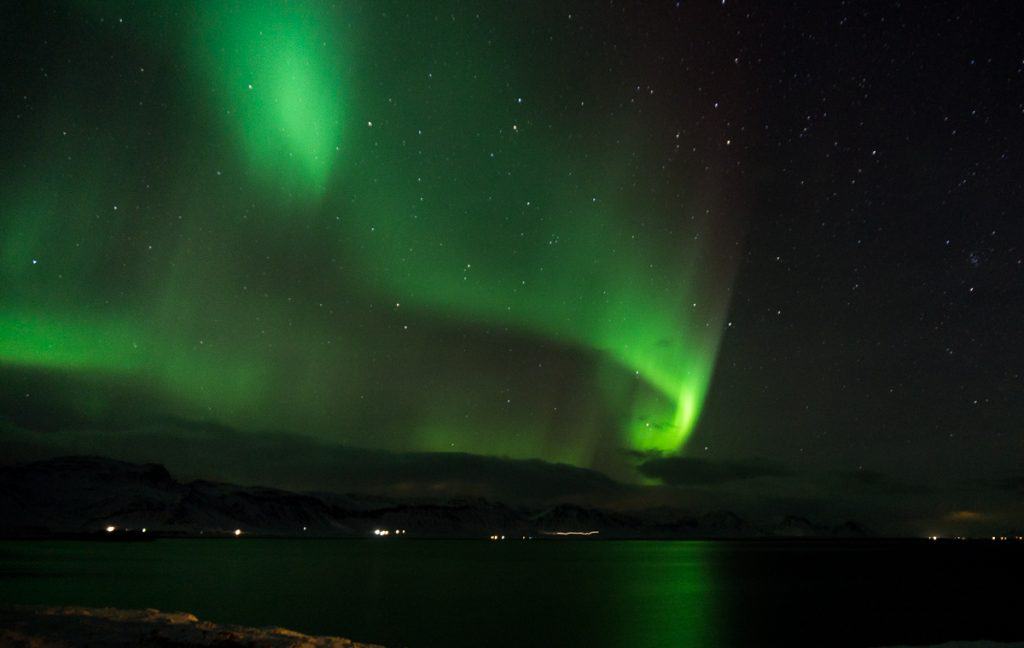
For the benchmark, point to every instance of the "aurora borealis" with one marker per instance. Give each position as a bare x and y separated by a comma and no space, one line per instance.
282,280
375,225
761,254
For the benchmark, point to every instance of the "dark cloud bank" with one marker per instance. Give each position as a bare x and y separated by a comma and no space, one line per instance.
757,489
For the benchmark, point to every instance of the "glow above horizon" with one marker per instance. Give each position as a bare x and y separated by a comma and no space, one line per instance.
365,230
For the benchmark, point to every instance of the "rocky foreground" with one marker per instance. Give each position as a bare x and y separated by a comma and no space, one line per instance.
66,627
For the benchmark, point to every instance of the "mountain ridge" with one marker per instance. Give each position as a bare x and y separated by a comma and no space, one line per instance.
86,494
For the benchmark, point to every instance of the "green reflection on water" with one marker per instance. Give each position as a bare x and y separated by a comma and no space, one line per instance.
667,594
418,593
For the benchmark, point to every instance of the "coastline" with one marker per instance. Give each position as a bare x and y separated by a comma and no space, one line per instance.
45,626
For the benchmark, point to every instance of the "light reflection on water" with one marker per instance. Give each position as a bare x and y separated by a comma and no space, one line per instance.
403,592
417,593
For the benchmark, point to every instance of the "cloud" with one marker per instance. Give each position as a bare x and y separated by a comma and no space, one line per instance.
1013,483
197,450
756,489
689,471
965,516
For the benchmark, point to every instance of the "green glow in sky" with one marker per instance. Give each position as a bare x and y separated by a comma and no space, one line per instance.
385,225
276,73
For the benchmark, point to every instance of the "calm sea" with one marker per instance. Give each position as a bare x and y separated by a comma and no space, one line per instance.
403,592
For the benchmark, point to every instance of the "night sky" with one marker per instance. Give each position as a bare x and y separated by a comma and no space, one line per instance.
765,256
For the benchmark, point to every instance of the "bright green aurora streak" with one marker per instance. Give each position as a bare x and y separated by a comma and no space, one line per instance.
393,226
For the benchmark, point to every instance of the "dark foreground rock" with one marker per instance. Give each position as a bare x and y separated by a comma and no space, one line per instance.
50,627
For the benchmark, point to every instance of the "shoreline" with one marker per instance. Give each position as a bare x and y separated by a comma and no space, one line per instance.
41,626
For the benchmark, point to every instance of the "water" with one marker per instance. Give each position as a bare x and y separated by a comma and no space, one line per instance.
514,593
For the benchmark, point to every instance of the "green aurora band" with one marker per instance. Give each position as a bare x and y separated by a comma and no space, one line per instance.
375,224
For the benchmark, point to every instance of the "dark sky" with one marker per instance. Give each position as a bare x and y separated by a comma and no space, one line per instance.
766,256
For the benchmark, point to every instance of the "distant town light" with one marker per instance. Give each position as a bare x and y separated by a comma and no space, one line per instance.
143,529
238,532
112,528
